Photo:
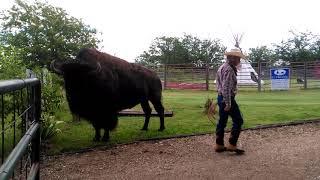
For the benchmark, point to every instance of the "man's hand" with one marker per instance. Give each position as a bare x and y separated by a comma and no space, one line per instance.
227,108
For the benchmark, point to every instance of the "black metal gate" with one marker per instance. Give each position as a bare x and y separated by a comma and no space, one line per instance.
20,113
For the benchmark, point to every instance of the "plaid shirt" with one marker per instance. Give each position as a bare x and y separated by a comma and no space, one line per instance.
226,82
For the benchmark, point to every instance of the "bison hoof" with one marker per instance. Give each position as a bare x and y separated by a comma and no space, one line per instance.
105,139
144,129
96,139
161,129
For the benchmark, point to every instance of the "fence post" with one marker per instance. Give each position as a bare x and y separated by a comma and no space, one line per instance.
259,76
35,143
305,75
207,77
165,76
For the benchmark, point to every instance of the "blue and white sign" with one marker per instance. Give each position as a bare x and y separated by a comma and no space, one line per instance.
280,79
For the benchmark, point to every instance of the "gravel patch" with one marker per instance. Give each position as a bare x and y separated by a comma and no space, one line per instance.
291,152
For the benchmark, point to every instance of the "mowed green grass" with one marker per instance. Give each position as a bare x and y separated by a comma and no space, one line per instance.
257,108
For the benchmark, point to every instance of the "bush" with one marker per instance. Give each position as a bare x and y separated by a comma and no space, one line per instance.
51,102
49,127
12,67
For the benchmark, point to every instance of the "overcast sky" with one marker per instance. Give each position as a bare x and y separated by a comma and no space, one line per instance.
129,26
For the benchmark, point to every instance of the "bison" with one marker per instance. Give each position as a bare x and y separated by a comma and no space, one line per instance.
99,85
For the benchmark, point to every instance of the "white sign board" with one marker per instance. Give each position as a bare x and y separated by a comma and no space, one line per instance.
280,79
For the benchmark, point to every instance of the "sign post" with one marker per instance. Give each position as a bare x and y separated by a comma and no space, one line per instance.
280,78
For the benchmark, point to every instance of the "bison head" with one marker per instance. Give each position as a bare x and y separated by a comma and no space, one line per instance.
56,66
74,66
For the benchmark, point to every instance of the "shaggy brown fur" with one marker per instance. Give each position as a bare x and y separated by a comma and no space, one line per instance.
99,85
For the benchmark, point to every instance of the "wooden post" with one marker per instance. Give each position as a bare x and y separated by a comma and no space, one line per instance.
305,75
259,76
165,77
207,76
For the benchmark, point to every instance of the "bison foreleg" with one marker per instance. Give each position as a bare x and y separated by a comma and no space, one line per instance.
161,123
97,135
106,136
147,111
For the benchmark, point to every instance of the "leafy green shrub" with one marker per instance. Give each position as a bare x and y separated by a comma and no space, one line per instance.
11,67
51,101
49,127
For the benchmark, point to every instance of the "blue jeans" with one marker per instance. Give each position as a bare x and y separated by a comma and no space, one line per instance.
237,121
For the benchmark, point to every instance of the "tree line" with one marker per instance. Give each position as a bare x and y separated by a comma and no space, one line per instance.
300,46
182,50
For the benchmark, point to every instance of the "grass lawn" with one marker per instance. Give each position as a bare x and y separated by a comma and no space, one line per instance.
257,108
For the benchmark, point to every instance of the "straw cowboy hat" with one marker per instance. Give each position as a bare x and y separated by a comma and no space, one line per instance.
235,52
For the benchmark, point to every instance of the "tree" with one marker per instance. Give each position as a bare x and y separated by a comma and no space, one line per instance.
44,32
212,52
315,47
282,52
300,46
164,50
182,50
11,65
262,54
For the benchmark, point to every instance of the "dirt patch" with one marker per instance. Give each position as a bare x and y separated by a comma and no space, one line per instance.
291,152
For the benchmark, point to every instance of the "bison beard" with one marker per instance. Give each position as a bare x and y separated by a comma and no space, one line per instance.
99,85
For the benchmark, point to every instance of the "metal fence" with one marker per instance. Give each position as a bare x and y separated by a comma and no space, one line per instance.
303,75
20,113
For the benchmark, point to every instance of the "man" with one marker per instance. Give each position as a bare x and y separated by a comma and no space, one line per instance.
227,87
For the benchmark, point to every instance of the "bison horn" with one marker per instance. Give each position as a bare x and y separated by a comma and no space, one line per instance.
55,68
98,67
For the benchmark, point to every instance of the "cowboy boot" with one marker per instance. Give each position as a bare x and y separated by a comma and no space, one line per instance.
234,136
219,148
233,142
233,148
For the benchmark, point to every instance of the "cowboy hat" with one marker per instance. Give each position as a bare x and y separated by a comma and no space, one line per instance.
235,52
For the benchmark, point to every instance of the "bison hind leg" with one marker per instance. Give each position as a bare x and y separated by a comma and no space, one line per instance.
147,111
157,104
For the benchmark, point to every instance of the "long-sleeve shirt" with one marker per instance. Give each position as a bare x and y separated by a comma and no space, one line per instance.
226,82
